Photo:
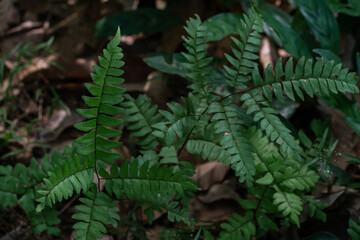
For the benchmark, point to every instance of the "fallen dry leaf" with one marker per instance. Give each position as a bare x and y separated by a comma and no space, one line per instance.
218,192
210,173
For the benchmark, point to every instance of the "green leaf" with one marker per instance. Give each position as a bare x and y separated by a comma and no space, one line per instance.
248,204
354,124
238,227
289,204
75,174
173,65
222,25
265,222
141,116
328,55
142,20
322,236
97,210
322,22
265,180
287,38
245,50
146,181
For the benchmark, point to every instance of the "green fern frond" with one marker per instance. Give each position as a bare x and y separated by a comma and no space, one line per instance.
354,231
45,221
13,182
264,222
205,142
198,62
8,191
263,148
255,103
238,227
73,175
207,150
289,204
96,211
315,207
140,116
146,181
105,96
234,142
297,179
321,79
175,211
177,125
168,155
245,51
176,214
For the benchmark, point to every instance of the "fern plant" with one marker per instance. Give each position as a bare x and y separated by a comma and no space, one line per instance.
239,128
140,179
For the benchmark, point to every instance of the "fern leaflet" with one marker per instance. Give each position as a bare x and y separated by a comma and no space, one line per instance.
141,116
179,124
96,211
321,78
289,204
255,103
295,179
244,62
73,175
143,180
238,227
198,63
234,142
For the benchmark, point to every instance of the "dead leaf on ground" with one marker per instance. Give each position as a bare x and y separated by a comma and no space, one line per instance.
59,121
210,214
156,89
219,192
210,173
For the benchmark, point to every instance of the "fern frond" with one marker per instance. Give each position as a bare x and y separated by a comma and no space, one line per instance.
198,62
321,79
315,207
13,182
176,214
354,231
255,103
205,142
263,148
264,222
238,227
8,191
140,116
289,204
177,125
168,155
105,96
245,51
207,150
73,175
96,211
297,179
45,221
234,142
147,181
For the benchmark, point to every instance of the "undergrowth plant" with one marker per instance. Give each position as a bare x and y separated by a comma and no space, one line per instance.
237,127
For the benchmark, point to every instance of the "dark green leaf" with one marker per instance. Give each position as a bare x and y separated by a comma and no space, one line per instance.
142,20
